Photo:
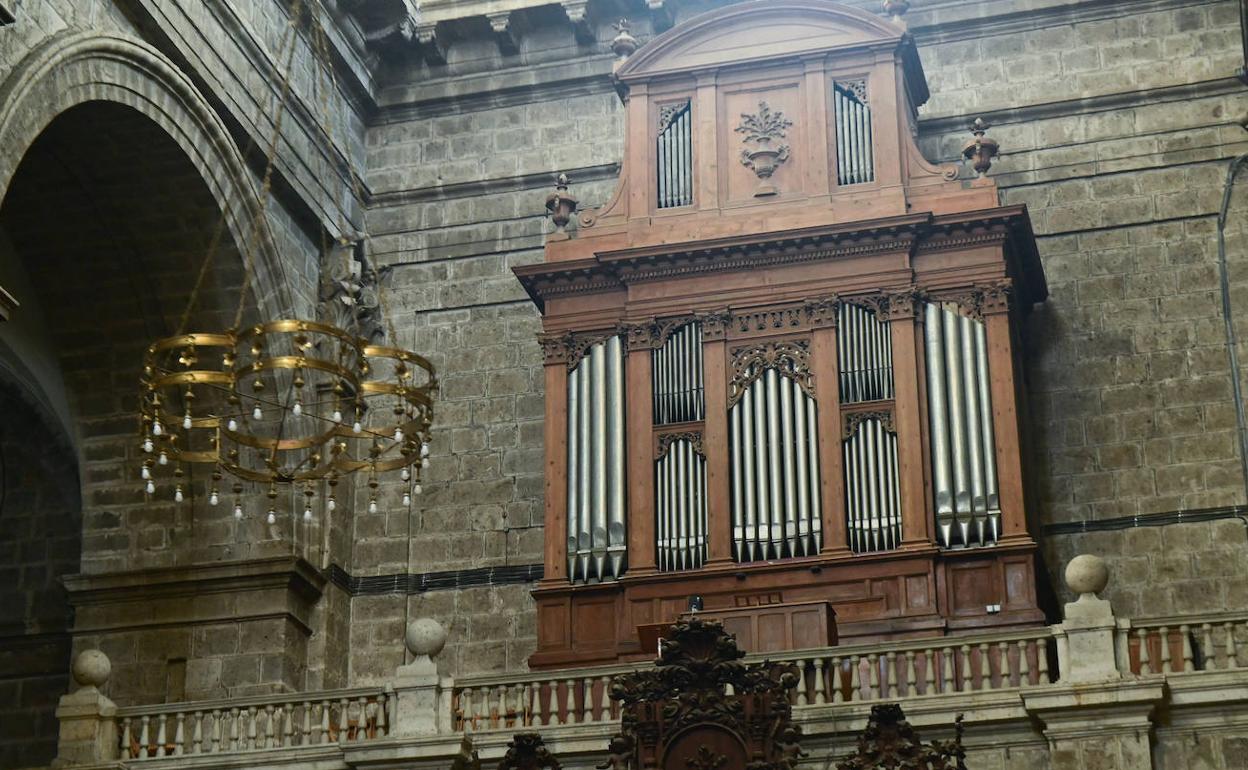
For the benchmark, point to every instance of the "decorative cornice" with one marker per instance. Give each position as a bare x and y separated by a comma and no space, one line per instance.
851,421
667,439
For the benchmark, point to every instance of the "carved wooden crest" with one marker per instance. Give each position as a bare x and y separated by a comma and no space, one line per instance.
890,742
527,751
679,715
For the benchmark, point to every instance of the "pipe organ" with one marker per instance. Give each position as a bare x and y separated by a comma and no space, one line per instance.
783,360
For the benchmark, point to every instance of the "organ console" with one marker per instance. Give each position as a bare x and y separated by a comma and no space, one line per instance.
782,362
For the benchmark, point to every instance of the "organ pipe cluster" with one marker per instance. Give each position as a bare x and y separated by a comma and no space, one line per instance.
675,158
864,352
964,467
854,161
872,487
775,471
676,377
680,507
596,530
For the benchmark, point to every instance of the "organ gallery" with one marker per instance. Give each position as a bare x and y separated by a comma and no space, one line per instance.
782,360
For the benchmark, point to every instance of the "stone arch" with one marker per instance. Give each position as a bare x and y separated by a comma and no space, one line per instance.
75,68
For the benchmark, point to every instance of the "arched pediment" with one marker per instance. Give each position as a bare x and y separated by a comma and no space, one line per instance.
757,30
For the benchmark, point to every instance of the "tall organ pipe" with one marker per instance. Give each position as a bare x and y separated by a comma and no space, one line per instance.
597,539
964,468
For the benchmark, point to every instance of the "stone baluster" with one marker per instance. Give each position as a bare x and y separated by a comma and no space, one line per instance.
267,740
344,721
1163,665
929,671
820,690
322,731
465,708
1232,658
383,715
305,730
1206,647
526,705
145,736
965,661
1146,666
361,729
946,678
1185,632
834,681
587,700
1042,661
253,727
126,753
213,737
235,732
799,698
568,713
855,678
873,673
984,674
288,724
1024,665
912,675
1004,670
889,674
179,734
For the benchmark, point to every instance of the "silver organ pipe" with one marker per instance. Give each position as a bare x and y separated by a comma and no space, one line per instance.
775,470
596,509
680,497
864,350
872,486
964,468
677,377
855,160
674,153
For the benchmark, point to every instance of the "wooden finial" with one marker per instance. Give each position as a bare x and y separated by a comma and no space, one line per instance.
981,149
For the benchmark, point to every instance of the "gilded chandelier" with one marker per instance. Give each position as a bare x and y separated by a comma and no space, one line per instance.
283,404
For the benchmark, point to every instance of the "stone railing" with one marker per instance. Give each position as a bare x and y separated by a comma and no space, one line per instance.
254,723
847,673
1182,644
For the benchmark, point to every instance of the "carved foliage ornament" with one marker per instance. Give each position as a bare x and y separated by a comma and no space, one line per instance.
790,358
890,742
978,301
853,420
570,347
667,439
527,751
764,130
669,112
686,693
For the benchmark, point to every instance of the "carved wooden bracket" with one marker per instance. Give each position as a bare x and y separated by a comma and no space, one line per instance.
851,421
889,741
790,358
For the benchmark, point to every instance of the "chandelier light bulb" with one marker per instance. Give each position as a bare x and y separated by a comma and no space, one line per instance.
238,511
405,474
272,517
398,435
163,459
357,427
297,409
213,498
372,505
232,425
256,414
145,473
416,490
307,514
157,429
424,449
177,495
331,504
407,499
186,421
147,445
151,488
337,415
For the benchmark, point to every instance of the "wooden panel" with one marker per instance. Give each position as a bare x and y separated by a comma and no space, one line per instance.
593,623
974,587
552,625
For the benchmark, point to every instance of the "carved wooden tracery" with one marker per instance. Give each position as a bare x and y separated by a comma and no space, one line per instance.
679,715
790,358
890,742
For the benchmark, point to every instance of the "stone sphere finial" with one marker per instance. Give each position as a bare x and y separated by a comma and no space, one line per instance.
425,637
91,668
1087,574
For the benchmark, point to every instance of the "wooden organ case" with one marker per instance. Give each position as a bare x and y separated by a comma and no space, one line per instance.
782,361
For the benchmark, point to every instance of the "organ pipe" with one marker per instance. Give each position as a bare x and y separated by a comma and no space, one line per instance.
677,377
855,162
680,497
872,485
864,355
675,159
775,471
596,530
964,469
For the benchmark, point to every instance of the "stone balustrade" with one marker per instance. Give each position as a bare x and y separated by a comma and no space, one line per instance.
254,723
1047,681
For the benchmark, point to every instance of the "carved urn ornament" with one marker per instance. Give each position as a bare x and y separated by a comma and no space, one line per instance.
560,203
624,43
764,130
890,742
679,715
981,149
896,9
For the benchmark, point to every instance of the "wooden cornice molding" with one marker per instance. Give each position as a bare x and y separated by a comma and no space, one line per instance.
616,269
